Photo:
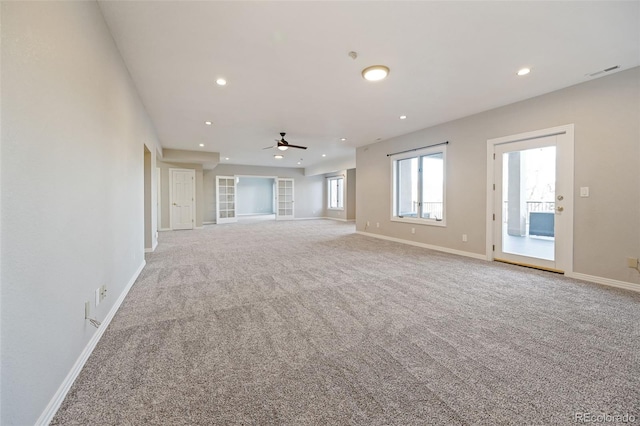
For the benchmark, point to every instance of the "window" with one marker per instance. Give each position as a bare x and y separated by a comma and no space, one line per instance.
418,186
336,192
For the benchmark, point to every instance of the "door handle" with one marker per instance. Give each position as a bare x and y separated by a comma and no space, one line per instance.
559,209
174,204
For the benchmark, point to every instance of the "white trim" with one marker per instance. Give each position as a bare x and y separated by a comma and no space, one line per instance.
159,199
54,404
165,229
339,219
605,281
566,132
152,249
310,218
423,245
199,227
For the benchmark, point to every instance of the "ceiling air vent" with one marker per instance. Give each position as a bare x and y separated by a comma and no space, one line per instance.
597,73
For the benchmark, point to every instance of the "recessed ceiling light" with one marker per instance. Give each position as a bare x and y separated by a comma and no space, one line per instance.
324,155
201,144
208,123
298,162
524,71
278,156
403,117
226,158
221,82
375,73
343,139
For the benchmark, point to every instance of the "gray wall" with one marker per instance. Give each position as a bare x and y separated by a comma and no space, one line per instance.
308,190
351,194
72,195
606,114
255,196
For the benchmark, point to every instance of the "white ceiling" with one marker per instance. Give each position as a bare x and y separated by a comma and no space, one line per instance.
288,68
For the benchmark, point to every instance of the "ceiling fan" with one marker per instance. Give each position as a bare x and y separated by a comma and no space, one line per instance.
284,145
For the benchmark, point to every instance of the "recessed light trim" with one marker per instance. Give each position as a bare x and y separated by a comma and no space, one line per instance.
403,117
278,156
524,71
221,82
208,123
226,158
343,139
324,155
375,73
201,144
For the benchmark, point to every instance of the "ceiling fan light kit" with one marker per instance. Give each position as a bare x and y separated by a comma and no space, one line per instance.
375,73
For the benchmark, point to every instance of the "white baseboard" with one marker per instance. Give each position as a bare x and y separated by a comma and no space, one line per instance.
308,218
208,223
339,219
584,277
605,281
164,229
51,409
423,245
152,249
199,227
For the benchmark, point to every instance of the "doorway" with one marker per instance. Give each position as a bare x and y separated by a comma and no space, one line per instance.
256,198
530,197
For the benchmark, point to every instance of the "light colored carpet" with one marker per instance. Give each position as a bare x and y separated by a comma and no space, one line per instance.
306,322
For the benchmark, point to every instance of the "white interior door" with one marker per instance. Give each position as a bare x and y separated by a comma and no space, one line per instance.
182,198
226,200
532,203
285,196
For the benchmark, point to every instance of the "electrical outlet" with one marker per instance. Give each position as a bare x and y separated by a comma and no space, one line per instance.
632,262
98,296
377,224
87,309
464,238
103,292
413,230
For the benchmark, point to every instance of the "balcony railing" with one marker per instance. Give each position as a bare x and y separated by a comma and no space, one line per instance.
532,206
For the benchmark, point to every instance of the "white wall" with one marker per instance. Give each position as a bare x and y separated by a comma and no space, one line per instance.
308,190
72,195
606,114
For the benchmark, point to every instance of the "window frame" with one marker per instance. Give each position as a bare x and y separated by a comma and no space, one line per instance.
329,180
394,159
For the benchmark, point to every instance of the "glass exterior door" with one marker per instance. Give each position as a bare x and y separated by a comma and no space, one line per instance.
527,202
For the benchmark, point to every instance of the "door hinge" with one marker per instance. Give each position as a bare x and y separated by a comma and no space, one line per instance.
494,186
494,155
494,247
494,216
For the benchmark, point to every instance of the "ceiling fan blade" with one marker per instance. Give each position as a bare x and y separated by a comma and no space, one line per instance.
269,147
297,146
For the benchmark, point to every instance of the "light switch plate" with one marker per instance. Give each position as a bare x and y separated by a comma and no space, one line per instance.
584,191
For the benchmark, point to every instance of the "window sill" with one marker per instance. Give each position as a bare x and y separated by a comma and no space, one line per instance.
335,209
417,221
